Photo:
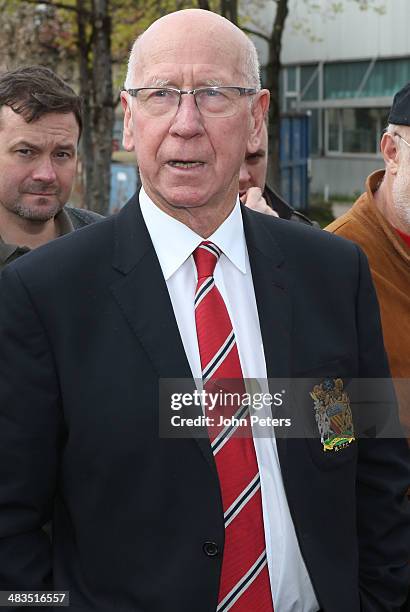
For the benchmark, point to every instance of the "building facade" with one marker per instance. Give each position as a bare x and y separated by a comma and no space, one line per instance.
343,69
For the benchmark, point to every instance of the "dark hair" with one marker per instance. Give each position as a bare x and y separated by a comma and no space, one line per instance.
34,91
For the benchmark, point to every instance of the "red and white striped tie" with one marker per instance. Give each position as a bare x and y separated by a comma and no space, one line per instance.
244,584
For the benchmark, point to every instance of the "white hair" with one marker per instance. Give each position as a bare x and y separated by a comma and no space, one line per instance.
250,68
392,130
401,185
132,64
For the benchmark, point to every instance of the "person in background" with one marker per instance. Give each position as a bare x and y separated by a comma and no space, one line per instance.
253,190
379,222
40,126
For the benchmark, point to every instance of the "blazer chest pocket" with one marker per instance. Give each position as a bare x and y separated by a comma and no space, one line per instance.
323,406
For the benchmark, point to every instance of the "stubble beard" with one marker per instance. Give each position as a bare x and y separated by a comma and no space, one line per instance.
401,197
41,213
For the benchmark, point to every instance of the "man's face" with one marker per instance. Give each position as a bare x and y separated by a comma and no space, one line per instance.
37,163
254,168
214,148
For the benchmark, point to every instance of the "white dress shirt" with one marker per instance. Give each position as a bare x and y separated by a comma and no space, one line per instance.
174,243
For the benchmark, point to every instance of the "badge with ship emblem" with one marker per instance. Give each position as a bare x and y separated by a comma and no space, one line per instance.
333,414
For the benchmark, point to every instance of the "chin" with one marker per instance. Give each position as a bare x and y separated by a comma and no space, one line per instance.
40,213
184,198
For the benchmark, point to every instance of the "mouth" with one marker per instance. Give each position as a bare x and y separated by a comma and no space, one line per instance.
179,163
41,194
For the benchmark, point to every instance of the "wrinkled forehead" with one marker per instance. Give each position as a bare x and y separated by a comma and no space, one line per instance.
189,60
189,76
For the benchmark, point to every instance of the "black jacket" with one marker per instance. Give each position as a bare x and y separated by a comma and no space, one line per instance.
284,210
81,217
87,330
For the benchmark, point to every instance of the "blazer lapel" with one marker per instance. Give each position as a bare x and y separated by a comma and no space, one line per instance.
272,297
273,302
143,297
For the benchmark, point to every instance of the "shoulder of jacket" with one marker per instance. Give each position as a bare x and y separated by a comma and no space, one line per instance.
81,217
296,215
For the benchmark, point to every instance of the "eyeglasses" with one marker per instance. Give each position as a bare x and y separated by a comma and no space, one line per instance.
210,101
401,138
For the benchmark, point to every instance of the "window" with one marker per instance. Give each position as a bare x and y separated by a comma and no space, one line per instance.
365,79
387,77
335,92
344,79
309,89
291,77
333,117
355,130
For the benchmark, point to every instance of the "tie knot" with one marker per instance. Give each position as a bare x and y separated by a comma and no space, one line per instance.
205,257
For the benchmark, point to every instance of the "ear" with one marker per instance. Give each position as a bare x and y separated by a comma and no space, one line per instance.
260,106
390,152
128,132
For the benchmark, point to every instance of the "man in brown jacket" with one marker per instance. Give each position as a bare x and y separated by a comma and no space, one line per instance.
380,223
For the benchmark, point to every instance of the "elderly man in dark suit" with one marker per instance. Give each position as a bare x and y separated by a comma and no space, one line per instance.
184,283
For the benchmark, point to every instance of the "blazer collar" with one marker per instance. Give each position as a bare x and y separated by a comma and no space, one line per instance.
271,291
274,305
143,297
131,238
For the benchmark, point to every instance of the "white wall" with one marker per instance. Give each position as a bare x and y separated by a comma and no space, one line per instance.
351,34
344,176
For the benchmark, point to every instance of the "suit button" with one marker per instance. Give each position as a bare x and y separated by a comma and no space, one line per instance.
210,549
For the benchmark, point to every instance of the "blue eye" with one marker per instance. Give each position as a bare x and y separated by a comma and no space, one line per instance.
212,93
162,93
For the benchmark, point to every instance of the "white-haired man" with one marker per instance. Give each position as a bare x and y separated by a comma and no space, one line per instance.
380,223
184,283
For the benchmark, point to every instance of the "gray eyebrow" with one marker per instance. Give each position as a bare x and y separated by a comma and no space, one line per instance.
213,83
158,82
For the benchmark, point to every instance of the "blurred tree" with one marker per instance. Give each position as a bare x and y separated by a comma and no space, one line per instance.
28,35
229,9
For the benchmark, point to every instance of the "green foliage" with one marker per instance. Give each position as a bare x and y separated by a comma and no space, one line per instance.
56,23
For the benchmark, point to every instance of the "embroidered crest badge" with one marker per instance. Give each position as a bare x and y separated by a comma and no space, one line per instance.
333,414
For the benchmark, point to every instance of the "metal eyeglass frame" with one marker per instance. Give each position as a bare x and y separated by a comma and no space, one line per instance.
243,91
401,138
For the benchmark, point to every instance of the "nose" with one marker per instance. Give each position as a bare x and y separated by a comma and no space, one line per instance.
244,177
44,170
187,121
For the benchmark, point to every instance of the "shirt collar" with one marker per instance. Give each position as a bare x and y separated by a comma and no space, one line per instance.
7,250
64,223
405,237
182,241
65,226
